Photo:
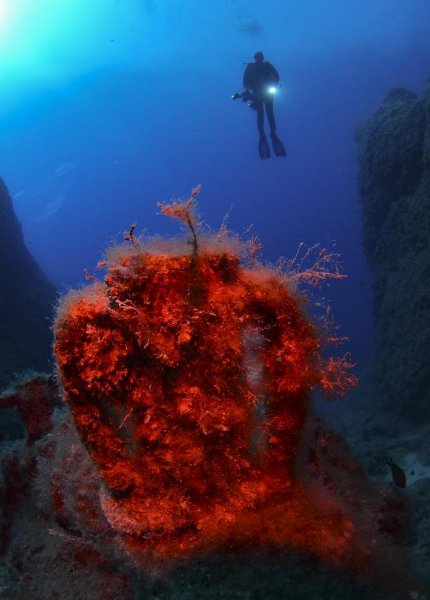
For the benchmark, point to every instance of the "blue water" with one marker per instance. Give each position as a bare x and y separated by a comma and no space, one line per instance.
111,106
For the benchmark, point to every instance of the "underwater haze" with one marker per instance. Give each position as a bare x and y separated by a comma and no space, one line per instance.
110,106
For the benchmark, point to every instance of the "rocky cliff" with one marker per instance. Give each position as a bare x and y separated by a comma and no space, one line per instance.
26,300
394,182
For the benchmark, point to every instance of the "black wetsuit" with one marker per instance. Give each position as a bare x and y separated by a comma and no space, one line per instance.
257,77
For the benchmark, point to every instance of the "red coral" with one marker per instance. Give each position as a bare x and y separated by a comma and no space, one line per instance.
336,378
183,211
188,377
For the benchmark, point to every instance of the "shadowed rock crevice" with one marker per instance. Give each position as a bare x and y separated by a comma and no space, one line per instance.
26,300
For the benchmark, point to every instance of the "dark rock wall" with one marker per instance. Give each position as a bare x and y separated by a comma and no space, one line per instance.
394,182
26,300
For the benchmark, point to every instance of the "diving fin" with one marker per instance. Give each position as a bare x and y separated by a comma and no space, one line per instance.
278,146
263,147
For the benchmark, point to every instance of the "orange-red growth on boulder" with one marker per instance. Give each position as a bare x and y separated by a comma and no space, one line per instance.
188,376
34,398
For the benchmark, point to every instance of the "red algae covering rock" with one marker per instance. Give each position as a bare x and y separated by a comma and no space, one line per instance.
54,539
34,398
187,435
188,376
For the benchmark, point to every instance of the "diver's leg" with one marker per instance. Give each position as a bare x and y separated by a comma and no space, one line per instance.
263,147
270,116
278,146
258,105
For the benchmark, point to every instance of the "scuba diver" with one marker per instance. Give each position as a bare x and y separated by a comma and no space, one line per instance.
259,82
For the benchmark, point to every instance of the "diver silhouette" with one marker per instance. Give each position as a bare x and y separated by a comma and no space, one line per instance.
259,82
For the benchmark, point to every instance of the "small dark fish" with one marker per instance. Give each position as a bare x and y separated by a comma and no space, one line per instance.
398,475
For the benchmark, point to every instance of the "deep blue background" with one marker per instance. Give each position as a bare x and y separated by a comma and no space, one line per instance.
149,115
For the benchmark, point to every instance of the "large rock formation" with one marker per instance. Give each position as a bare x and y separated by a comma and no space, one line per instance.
186,462
394,181
26,300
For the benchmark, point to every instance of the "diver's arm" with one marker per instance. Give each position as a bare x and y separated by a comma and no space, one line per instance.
246,78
